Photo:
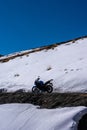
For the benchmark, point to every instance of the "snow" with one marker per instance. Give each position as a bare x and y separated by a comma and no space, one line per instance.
68,69
68,63
29,117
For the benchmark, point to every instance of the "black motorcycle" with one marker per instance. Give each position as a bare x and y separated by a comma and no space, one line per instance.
47,87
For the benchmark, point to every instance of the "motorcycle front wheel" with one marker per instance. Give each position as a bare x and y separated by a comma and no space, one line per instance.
35,90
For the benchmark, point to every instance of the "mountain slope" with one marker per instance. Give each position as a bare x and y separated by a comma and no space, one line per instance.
65,63
1,55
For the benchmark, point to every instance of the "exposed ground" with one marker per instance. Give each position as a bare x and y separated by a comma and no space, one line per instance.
49,101
45,100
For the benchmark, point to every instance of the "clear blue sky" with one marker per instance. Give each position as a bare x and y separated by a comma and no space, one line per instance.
26,24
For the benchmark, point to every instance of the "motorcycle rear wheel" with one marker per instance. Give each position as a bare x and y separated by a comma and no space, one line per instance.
49,89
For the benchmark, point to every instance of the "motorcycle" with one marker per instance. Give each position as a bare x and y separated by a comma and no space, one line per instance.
47,87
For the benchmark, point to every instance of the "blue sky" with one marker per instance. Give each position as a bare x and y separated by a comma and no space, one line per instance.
26,24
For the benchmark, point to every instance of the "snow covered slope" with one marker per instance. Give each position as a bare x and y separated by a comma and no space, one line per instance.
65,63
28,117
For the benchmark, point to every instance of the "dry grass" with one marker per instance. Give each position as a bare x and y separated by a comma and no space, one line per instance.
39,49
